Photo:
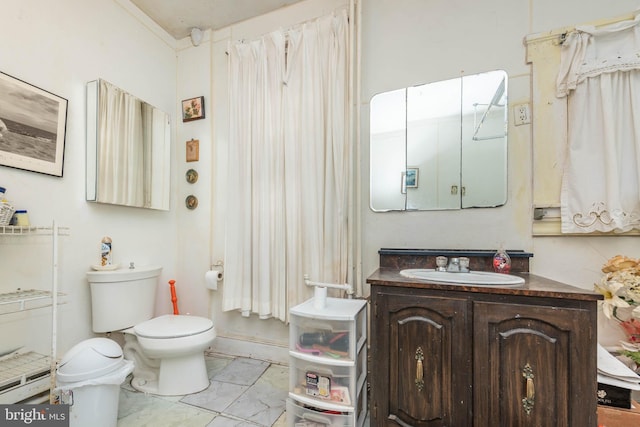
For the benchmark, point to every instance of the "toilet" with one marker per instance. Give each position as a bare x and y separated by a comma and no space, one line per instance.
168,350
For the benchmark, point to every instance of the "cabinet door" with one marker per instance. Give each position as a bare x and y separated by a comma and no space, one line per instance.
420,361
534,366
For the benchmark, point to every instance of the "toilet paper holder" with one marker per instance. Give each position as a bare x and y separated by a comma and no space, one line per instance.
216,270
219,267
214,275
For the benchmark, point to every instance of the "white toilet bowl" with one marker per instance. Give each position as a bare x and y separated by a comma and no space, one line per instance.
168,352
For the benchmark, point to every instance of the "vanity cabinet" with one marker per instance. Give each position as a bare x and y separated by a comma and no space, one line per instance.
449,355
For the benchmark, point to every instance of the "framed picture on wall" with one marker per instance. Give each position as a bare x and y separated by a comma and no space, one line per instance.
193,109
193,150
32,127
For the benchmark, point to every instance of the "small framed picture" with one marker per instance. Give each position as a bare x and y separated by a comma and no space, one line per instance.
409,179
193,150
193,109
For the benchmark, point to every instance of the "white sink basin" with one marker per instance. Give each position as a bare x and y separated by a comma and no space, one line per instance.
481,278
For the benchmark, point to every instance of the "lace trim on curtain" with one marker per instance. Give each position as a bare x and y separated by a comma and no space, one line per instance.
599,214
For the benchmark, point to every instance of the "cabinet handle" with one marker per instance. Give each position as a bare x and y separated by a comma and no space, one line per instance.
529,400
419,369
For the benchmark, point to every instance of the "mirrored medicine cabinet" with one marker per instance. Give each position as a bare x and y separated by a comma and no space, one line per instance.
128,149
440,145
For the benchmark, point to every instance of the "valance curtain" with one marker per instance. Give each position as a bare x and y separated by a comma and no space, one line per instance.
600,74
289,160
120,164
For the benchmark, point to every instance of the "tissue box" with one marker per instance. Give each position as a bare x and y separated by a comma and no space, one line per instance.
618,417
609,395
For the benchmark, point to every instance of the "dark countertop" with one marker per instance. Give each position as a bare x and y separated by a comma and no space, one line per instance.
452,252
536,286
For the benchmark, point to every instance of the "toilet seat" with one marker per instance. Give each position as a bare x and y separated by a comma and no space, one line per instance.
172,326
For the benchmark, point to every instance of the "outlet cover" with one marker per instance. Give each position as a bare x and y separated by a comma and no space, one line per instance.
521,114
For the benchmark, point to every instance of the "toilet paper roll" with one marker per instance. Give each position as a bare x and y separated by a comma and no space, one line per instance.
212,277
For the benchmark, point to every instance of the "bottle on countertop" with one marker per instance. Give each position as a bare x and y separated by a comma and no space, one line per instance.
105,251
501,261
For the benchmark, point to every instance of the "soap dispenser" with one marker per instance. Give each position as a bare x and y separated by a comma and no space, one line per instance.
501,261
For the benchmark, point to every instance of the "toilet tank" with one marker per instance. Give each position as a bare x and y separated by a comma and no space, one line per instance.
122,298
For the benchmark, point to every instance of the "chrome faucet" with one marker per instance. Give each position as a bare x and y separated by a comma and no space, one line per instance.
454,265
458,265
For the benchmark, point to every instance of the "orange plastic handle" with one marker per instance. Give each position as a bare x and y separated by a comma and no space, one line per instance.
174,298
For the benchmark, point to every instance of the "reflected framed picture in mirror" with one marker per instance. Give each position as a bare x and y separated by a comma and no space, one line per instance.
193,109
409,179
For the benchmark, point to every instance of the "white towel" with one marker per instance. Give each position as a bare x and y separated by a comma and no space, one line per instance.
613,372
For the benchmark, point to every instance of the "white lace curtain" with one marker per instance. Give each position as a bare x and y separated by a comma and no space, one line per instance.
289,160
600,74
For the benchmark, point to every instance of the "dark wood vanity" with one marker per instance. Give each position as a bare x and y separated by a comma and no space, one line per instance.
466,355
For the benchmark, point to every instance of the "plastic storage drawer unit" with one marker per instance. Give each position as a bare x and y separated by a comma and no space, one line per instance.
328,364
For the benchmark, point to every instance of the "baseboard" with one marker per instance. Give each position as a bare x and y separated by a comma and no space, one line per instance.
255,350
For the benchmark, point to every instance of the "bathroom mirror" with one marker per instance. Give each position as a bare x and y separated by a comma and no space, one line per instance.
440,145
128,149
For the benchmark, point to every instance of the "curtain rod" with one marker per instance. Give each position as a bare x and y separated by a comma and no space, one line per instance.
559,35
286,31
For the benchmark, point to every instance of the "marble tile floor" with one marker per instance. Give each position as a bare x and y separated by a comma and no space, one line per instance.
243,393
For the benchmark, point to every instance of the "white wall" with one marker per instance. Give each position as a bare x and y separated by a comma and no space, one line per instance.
59,46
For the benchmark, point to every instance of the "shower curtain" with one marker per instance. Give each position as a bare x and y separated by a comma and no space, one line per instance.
289,160
120,153
600,74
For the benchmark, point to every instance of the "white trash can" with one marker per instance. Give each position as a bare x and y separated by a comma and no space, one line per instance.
88,379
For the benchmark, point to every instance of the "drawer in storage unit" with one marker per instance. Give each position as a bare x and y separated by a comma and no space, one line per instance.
328,383
300,415
336,331
331,339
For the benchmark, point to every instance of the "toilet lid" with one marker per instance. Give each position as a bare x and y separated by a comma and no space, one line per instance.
173,326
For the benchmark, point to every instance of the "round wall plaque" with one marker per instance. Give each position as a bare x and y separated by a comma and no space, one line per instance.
192,176
191,202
